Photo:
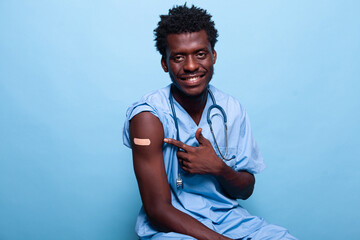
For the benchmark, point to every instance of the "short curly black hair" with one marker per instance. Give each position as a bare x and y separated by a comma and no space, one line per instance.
184,19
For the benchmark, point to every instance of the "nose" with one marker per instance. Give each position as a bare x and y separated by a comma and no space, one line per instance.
190,64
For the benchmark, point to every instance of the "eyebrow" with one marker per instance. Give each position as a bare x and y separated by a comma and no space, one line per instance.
202,49
196,51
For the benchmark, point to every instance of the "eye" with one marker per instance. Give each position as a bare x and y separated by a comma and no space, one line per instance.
201,55
177,58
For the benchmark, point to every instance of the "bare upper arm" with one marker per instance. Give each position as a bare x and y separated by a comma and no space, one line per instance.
148,160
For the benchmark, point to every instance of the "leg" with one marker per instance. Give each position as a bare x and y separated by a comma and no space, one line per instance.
271,231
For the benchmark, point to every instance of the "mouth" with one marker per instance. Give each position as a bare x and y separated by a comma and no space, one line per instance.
192,78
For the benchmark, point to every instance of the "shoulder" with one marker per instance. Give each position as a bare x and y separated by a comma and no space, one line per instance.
146,127
156,97
155,102
221,96
227,101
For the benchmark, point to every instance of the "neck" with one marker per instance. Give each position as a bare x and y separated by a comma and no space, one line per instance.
193,105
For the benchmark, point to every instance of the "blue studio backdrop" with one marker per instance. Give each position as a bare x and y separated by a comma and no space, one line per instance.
69,70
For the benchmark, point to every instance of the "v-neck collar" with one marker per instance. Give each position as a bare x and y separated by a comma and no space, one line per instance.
184,112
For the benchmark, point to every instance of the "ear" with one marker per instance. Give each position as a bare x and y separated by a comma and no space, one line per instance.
164,65
214,56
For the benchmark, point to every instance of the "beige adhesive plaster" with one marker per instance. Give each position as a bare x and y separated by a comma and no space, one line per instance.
142,142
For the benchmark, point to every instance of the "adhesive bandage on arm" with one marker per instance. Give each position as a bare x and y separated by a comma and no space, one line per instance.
142,141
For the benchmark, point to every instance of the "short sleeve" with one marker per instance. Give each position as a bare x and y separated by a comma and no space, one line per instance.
249,157
132,111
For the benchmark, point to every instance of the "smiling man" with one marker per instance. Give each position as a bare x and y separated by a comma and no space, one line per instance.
193,150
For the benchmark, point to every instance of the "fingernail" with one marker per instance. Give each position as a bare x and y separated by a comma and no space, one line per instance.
166,140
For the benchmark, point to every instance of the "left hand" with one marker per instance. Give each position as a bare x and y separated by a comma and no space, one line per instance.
198,160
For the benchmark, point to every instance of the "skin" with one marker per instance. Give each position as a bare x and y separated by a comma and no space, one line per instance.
189,62
190,55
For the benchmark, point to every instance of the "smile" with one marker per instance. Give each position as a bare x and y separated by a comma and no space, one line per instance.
192,78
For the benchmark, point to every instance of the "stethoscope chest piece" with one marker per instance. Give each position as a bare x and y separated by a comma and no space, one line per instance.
179,181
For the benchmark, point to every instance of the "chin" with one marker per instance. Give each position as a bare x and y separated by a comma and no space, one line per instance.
190,90
194,93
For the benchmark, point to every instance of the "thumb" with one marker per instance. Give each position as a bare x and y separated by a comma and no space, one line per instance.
199,137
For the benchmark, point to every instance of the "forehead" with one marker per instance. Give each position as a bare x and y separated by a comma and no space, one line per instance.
187,42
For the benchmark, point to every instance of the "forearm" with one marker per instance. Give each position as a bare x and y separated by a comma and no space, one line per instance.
169,219
236,184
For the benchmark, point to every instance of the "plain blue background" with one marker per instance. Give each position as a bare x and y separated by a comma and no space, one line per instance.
69,70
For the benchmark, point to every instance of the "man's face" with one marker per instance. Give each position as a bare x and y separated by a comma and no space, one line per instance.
189,61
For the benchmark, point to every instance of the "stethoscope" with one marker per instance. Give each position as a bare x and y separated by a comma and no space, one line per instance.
179,181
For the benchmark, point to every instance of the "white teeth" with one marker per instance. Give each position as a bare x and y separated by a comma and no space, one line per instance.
192,78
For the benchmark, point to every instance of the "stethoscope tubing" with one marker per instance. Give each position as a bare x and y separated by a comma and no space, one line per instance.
179,182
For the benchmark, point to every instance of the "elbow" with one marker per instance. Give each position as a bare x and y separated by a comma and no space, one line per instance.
242,194
157,216
247,193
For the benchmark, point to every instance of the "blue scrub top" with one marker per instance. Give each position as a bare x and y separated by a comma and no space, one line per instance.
201,196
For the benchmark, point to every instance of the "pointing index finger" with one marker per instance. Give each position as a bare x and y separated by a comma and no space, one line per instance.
176,143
